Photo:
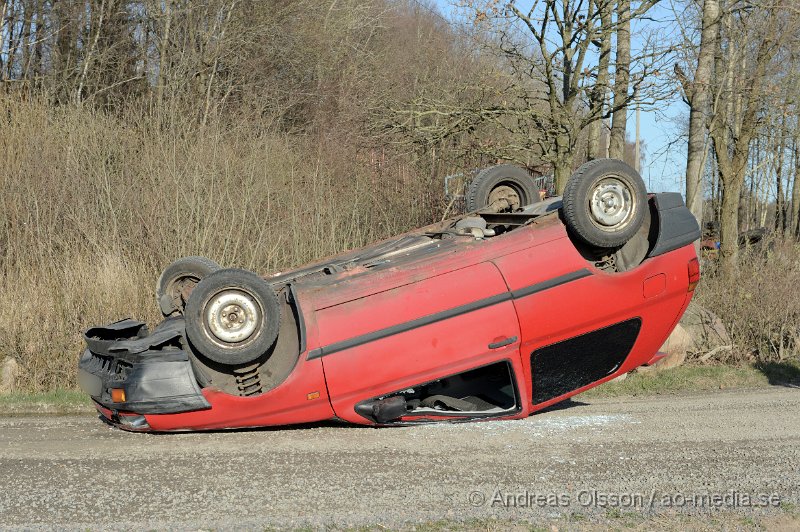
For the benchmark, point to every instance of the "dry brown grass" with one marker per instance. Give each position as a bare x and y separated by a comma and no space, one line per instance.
760,305
94,206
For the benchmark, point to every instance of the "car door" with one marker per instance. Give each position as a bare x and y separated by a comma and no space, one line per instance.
578,324
420,333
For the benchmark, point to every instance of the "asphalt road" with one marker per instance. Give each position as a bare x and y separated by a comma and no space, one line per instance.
596,459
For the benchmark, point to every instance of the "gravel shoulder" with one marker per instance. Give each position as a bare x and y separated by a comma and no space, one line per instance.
595,462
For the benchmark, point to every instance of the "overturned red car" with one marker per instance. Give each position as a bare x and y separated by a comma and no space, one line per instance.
495,314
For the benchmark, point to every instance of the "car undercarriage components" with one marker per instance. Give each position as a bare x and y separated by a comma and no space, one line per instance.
177,281
232,317
501,188
475,226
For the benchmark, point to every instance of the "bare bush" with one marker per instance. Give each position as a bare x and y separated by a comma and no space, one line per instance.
760,305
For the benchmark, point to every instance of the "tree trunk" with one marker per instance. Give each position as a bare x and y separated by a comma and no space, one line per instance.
164,55
600,90
11,44
733,130
780,200
733,179
65,55
796,193
755,192
699,98
742,212
562,167
561,173
621,80
3,35
25,65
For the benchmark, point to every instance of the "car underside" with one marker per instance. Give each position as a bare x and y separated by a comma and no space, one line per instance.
494,314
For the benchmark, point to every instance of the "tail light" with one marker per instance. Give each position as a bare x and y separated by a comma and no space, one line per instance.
694,274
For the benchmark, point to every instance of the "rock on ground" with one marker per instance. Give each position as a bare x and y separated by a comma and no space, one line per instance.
678,345
704,327
8,375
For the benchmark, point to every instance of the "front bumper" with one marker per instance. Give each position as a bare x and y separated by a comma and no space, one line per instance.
154,371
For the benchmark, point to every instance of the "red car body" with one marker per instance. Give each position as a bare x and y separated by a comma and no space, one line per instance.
526,300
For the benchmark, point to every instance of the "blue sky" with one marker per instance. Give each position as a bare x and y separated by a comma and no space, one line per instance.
665,163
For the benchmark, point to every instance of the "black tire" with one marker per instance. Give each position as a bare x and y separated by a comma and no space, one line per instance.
605,203
178,280
254,307
504,175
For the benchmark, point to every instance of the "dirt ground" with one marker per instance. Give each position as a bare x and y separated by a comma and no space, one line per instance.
729,459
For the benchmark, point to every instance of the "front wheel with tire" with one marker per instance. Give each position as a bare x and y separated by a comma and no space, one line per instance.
232,317
605,203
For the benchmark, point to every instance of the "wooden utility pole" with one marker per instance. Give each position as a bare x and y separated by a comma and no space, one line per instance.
636,152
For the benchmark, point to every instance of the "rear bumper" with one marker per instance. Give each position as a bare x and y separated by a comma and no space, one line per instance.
154,370
675,226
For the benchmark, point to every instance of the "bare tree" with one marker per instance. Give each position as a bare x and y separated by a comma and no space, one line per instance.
621,80
795,207
698,93
548,93
753,35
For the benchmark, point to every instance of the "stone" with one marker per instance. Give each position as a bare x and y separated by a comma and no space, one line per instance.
676,348
679,341
672,360
9,372
705,328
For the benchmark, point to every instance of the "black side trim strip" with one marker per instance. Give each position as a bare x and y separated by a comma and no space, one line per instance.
407,326
551,283
446,314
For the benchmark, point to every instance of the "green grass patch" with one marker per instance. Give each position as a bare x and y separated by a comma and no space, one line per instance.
52,402
701,378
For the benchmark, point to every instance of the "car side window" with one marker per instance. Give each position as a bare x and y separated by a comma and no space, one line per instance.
571,364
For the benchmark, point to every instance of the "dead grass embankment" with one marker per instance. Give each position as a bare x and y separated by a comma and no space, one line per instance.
94,206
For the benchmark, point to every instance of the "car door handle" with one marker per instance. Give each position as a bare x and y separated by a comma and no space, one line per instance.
501,343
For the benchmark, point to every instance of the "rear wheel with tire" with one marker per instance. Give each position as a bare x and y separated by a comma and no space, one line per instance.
232,317
605,203
505,186
178,280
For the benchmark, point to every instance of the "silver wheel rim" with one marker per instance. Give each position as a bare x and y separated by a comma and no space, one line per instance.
611,205
232,316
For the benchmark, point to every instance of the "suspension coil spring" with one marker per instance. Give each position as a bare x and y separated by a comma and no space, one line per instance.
248,380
